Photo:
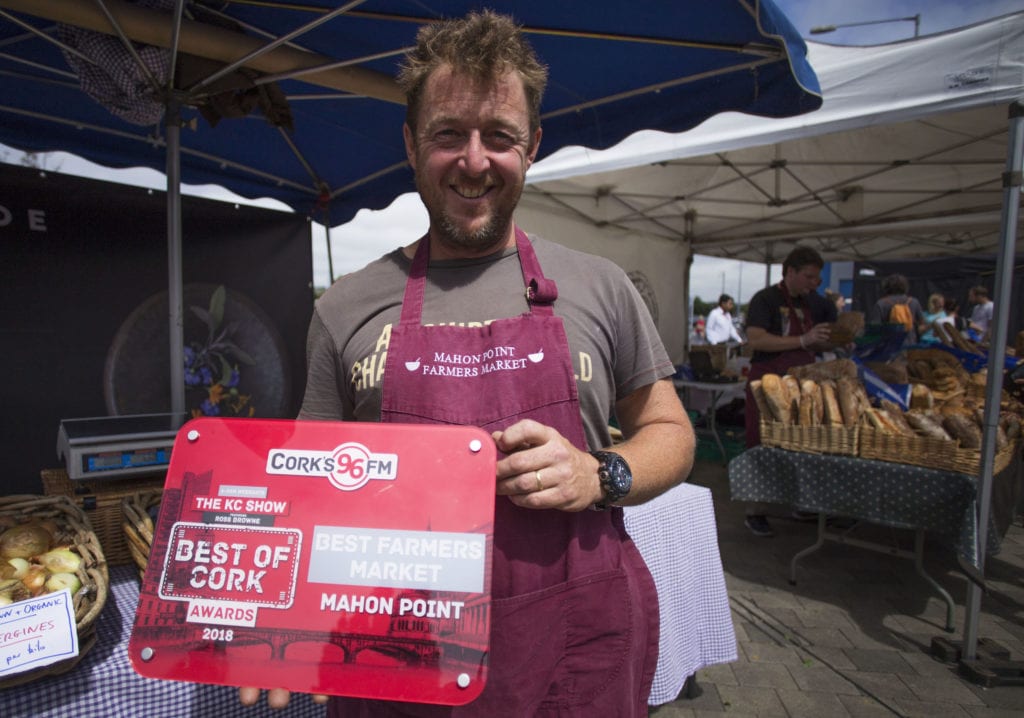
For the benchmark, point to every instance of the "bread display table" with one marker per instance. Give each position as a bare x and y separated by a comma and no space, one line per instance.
877,492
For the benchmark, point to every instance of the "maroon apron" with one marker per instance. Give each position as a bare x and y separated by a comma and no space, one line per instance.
799,323
574,627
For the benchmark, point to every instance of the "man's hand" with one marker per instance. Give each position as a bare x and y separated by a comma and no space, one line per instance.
543,470
277,698
817,338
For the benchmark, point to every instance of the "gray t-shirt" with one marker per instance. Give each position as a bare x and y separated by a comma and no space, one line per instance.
613,343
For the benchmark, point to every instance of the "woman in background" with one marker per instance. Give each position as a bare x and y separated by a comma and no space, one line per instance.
933,313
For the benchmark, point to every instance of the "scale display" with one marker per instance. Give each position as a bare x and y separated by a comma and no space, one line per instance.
338,558
117,446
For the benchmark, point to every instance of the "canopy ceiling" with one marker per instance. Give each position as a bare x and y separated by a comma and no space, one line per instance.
615,68
904,159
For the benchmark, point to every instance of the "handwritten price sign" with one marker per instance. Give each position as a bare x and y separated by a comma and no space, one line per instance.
37,632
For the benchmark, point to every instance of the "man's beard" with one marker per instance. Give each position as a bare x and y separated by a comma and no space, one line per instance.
489,236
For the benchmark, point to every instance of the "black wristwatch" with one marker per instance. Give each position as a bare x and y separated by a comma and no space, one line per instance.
616,478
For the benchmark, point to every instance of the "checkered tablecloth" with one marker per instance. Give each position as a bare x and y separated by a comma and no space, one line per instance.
678,538
881,492
103,684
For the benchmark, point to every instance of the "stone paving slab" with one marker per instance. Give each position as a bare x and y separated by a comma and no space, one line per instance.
853,636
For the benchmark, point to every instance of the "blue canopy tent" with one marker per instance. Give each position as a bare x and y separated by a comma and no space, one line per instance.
328,138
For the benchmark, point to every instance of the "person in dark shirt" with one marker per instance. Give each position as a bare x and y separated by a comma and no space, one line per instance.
787,324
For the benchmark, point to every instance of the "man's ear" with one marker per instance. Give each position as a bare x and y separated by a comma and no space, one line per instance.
533,150
410,145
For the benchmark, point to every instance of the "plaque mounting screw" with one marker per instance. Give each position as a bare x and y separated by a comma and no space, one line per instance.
193,435
147,654
463,680
475,446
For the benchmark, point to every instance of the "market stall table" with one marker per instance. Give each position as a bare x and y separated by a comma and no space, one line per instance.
717,391
878,492
677,536
103,684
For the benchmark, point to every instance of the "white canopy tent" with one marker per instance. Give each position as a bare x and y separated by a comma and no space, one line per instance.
904,159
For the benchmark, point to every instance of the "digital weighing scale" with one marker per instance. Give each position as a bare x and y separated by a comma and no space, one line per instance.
116,446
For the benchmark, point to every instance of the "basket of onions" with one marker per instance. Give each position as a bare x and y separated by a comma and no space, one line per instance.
47,545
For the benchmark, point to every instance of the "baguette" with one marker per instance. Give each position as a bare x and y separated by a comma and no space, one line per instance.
895,415
777,398
879,419
833,414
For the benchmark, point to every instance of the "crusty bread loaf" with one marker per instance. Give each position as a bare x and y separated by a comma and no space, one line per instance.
849,404
808,413
921,397
963,429
927,425
777,397
763,410
822,370
833,414
793,392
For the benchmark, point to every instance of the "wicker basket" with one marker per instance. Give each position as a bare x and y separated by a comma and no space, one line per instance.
74,530
138,526
930,453
101,501
914,450
822,439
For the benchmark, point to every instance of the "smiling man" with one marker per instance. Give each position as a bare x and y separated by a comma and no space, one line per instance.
477,323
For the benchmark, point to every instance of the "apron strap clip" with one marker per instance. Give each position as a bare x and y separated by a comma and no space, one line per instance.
541,291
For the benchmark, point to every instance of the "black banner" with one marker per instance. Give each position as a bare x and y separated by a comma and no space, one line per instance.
83,323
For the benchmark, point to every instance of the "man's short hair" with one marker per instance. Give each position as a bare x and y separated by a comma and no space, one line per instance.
723,299
895,284
980,291
802,257
483,46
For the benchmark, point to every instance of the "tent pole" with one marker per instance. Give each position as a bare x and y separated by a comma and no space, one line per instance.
174,271
997,350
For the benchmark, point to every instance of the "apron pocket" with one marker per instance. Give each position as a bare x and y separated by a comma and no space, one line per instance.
562,646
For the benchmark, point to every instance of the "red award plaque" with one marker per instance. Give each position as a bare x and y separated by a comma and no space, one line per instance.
323,557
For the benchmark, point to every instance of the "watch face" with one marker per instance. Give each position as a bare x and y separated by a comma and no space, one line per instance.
616,478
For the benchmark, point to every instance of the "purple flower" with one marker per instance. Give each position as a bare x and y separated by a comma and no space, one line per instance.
209,408
233,381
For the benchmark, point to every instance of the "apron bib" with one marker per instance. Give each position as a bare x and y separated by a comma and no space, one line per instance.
574,625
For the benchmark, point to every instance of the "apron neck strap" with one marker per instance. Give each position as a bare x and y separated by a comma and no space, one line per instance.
797,325
541,292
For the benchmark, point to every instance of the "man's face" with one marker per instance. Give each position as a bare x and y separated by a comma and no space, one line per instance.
729,306
802,280
471,150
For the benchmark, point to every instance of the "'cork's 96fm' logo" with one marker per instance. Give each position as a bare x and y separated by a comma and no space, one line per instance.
348,467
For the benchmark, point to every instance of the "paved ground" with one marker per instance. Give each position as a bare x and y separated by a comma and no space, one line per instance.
853,637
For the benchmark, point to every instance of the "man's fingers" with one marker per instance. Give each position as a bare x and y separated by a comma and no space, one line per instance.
248,696
278,697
